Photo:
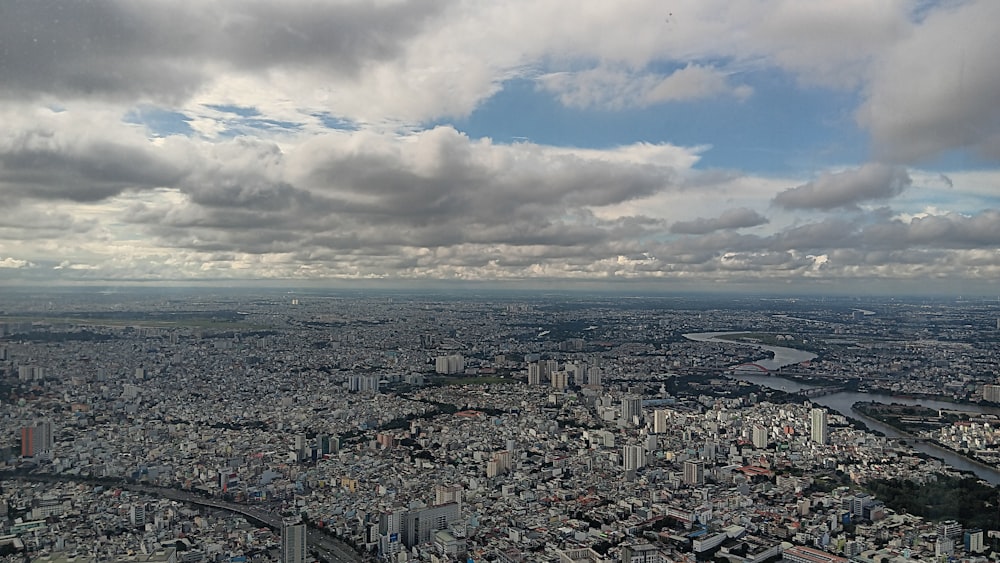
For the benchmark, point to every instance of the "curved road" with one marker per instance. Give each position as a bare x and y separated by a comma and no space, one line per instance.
329,549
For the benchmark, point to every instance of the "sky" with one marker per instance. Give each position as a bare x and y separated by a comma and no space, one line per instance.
761,145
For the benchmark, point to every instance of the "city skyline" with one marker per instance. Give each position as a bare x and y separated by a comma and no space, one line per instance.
773,146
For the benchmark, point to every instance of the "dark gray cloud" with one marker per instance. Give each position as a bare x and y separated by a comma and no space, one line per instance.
452,181
441,190
935,90
44,164
847,189
950,230
739,218
166,49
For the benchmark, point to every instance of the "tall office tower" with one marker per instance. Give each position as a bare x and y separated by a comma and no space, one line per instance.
37,439
633,457
560,380
631,409
759,437
818,430
660,418
973,540
694,472
390,532
293,541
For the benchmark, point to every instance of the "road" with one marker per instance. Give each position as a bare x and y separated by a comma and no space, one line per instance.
328,548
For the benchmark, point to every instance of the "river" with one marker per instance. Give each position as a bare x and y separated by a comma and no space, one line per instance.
843,402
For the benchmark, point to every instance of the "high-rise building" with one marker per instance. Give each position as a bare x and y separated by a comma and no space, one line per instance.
534,374
300,446
391,532
950,529
973,541
991,393
631,409
419,525
760,437
453,363
818,431
137,514
447,494
293,541
594,377
633,457
30,373
37,439
548,367
560,380
694,472
660,418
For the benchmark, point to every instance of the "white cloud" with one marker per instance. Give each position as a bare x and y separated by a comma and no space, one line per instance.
14,263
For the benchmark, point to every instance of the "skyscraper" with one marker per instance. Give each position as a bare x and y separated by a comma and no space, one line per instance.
36,439
594,377
818,431
660,417
559,380
633,457
759,437
631,409
293,541
694,472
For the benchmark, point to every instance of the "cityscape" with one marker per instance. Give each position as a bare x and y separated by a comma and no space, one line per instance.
501,281
231,426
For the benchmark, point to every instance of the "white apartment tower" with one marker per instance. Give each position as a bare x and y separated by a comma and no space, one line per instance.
818,430
633,457
453,363
760,437
694,472
631,409
660,418
293,541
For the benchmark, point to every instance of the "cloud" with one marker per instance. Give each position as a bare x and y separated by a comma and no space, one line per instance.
618,89
58,155
381,194
826,43
14,263
936,90
730,219
846,189
167,50
944,231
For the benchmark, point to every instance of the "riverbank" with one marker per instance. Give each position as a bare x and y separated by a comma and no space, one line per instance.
841,402
864,409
